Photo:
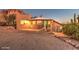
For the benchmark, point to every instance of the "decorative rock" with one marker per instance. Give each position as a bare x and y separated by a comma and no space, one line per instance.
77,45
72,43
68,41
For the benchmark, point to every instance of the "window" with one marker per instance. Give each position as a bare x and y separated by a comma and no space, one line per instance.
39,22
33,22
24,22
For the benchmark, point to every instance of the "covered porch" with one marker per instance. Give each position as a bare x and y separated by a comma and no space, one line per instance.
35,25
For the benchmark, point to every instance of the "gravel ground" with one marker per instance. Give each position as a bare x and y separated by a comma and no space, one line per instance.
24,40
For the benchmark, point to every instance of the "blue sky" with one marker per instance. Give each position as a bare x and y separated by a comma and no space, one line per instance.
61,15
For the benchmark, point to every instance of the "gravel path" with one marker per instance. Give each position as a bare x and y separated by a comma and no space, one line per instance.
24,40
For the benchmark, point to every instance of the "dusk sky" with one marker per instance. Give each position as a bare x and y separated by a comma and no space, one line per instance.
61,15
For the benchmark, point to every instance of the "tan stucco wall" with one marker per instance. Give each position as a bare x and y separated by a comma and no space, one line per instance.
56,26
21,17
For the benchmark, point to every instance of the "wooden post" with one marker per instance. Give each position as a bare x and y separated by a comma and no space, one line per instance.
51,25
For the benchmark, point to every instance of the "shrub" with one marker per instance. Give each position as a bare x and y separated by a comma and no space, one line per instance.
71,30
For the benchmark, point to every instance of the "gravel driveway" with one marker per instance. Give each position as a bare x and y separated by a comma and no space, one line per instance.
24,40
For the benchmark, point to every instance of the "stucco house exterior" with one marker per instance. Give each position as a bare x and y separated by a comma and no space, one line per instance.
37,23
25,21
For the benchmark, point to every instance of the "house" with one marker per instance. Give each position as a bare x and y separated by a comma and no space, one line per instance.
25,21
38,23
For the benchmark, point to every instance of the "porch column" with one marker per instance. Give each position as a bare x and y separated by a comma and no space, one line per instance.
45,25
51,25
36,24
18,22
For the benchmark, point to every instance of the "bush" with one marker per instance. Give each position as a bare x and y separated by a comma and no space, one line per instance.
71,30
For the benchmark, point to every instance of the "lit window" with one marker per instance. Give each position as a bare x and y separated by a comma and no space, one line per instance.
34,22
49,22
39,22
25,22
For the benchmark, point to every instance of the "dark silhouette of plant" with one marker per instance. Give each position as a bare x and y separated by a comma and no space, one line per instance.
12,20
78,18
72,21
74,17
5,18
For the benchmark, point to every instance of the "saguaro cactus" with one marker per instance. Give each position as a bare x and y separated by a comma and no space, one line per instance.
78,18
74,17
